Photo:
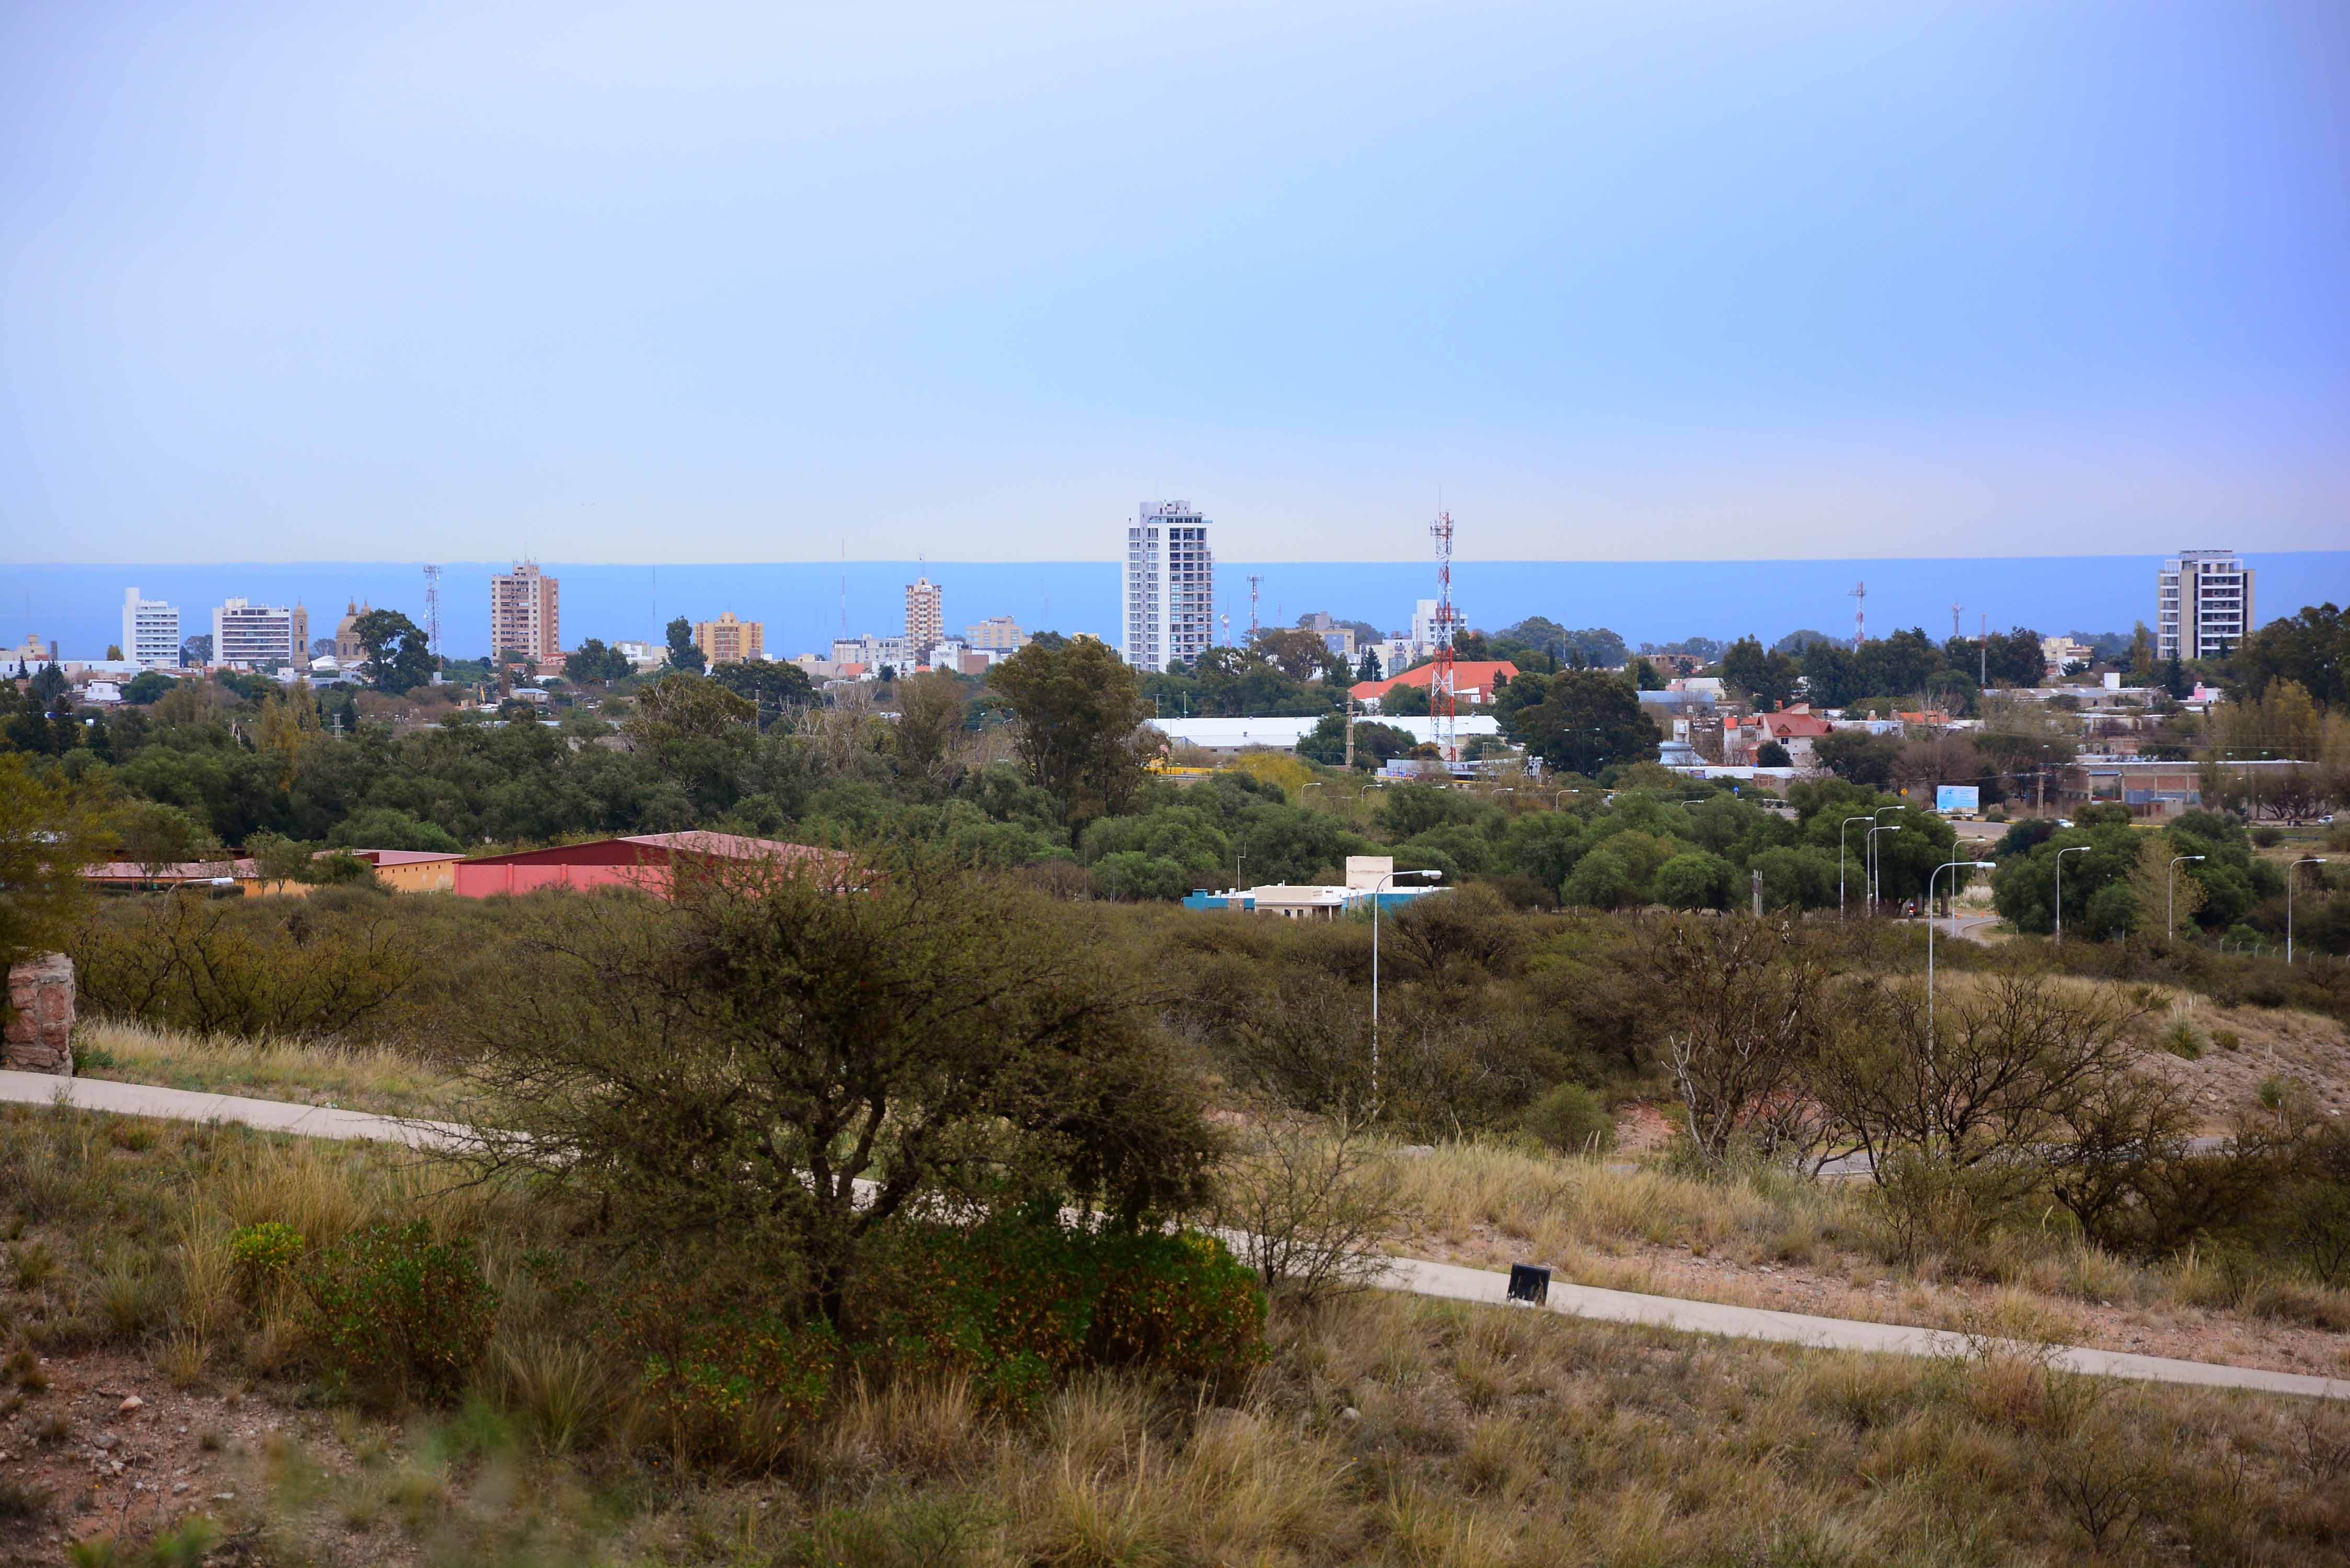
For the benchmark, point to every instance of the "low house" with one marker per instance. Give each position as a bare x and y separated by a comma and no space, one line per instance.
409,870
649,861
1369,879
1474,681
1795,728
130,877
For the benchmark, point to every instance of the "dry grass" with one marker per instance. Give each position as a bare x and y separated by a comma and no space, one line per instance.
1386,1429
1765,1237
364,1078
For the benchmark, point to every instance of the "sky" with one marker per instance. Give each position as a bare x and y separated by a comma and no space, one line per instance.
706,281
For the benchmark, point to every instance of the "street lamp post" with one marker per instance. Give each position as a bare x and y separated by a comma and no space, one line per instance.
1846,823
1384,880
2305,860
2075,849
1977,865
2170,892
1868,841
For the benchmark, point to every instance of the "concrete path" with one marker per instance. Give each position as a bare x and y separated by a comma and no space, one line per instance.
193,1105
1417,1275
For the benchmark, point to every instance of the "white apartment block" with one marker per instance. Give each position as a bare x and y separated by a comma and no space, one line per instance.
1167,614
150,632
260,636
2202,604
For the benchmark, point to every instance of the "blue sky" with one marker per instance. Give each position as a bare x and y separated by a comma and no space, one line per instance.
706,281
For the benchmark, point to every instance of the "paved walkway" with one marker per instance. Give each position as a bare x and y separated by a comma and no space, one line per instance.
1414,1274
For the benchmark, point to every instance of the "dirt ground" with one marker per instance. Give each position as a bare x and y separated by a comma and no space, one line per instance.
117,1451
2271,1042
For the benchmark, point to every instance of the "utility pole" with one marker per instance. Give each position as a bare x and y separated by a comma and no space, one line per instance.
1982,654
1350,729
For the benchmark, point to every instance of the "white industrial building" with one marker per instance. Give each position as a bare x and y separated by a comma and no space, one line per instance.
1166,616
150,632
1232,736
1371,878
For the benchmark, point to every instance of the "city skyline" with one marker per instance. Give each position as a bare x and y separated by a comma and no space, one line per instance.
1727,284
802,605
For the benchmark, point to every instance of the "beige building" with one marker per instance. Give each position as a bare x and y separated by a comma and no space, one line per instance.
730,642
525,615
997,634
349,651
926,619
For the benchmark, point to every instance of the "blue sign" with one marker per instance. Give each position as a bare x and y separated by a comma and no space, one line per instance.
1948,798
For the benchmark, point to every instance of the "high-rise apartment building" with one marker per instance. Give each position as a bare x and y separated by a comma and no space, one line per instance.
926,614
525,615
2202,604
730,642
1168,616
260,636
997,634
150,632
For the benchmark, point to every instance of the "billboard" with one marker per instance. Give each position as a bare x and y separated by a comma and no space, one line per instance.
1948,798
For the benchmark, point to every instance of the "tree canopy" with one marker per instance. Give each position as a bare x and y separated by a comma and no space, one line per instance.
398,655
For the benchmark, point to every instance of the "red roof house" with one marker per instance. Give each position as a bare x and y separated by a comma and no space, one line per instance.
1473,680
646,861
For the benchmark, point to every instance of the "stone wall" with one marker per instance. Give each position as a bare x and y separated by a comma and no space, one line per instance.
38,1037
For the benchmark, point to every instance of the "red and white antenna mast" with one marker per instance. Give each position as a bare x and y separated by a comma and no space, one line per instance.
1442,706
1859,597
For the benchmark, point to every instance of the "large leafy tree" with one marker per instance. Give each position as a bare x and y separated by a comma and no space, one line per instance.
49,830
1080,713
684,653
767,685
594,662
1588,719
398,655
1300,655
792,1072
1766,676
2310,648
1595,648
1897,666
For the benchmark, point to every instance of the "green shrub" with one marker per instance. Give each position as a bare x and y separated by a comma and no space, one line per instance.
263,1252
2183,1040
1016,1303
2227,1040
397,1312
1571,1118
721,1384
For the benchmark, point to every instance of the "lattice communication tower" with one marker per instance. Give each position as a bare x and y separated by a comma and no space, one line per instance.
1443,708
432,612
